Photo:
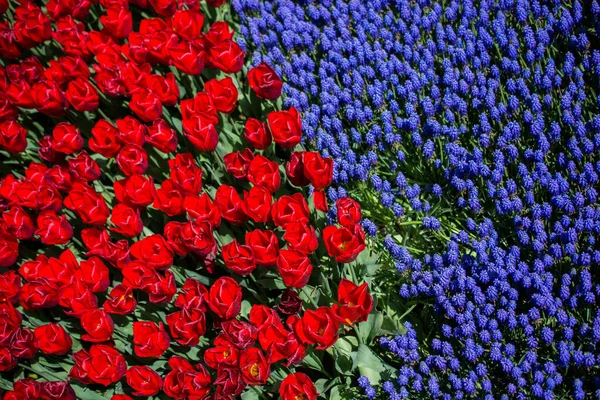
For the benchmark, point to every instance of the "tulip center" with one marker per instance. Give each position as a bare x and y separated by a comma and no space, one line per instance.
321,331
301,397
343,245
254,370
226,353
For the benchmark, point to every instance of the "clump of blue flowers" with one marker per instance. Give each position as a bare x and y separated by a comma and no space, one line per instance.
477,123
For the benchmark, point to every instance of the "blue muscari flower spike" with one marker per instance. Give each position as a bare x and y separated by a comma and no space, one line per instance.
369,227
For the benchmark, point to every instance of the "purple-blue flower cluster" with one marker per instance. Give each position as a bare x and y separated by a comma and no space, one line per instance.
479,121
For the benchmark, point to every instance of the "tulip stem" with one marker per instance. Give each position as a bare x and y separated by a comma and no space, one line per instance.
103,115
407,312
310,298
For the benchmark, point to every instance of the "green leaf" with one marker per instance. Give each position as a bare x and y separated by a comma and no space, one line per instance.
322,385
364,268
392,326
251,394
271,283
84,393
310,295
371,328
372,268
184,273
325,286
392,323
246,307
343,354
347,342
5,384
335,392
44,369
313,362
371,365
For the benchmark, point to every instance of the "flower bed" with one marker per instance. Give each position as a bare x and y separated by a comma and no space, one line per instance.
163,232
469,133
